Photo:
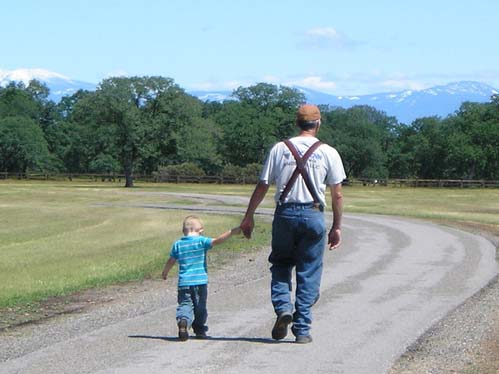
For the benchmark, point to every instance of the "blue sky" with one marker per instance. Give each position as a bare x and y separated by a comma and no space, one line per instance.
339,47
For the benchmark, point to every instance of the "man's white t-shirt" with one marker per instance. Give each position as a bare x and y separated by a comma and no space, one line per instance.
324,167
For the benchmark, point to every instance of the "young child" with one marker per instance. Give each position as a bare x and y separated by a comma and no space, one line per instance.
190,252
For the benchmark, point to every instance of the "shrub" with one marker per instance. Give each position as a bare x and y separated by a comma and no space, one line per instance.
247,174
169,172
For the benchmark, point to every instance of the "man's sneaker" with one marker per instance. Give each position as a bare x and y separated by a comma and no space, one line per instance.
201,334
303,339
280,329
183,334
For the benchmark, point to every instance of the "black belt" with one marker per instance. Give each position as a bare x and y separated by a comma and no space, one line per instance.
310,205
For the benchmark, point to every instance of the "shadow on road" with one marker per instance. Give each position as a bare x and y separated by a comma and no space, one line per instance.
215,338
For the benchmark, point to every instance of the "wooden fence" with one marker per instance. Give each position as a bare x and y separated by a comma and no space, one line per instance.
68,177
216,179
434,183
221,179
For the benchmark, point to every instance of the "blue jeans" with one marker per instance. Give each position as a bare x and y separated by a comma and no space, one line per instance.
298,241
192,306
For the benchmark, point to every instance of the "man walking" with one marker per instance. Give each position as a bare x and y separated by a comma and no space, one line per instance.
301,168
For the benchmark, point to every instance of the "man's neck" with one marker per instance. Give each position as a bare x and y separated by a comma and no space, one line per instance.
308,133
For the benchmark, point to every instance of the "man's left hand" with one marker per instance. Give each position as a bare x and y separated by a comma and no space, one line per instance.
334,239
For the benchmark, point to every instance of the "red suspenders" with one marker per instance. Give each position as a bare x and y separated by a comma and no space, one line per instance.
301,168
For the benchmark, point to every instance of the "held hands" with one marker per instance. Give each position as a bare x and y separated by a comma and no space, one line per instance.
247,225
334,238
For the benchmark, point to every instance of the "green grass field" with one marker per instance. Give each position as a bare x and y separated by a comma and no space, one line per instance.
55,239
470,207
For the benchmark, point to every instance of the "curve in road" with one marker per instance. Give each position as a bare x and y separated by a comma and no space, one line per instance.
391,280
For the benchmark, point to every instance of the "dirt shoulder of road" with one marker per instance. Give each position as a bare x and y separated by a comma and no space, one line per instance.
38,312
465,341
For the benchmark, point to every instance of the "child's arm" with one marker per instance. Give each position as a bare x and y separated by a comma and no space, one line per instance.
168,266
226,235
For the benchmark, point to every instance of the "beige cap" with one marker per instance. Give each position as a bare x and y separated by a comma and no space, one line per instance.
308,112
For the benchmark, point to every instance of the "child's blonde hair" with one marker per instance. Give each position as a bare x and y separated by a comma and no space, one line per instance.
192,223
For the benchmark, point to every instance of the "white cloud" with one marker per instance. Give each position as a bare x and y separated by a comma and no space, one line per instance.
25,75
218,86
324,32
345,84
375,81
327,37
314,82
351,84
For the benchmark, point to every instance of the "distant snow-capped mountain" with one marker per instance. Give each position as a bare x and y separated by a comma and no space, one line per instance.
406,106
58,84
219,96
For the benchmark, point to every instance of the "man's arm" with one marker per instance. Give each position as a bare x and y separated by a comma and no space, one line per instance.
248,223
168,266
334,239
226,235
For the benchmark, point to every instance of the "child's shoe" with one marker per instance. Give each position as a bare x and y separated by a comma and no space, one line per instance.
183,334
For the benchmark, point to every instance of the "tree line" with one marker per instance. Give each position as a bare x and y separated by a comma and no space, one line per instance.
145,124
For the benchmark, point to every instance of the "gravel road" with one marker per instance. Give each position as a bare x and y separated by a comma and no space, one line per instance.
391,281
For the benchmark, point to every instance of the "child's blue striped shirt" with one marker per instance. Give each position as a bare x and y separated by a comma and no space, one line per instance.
190,252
